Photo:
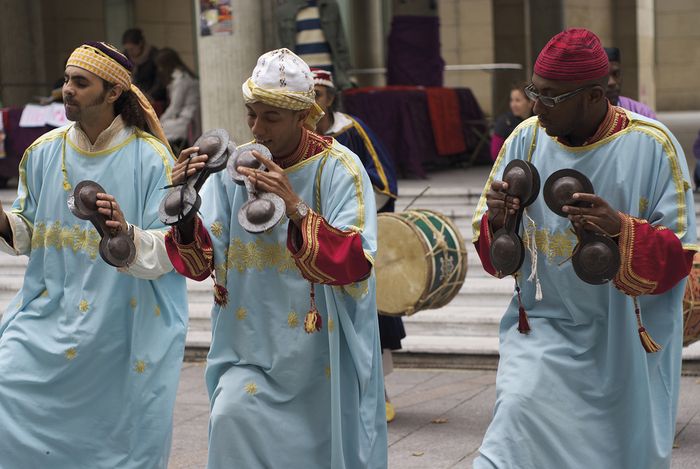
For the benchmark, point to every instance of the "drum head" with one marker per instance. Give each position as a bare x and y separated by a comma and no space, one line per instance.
691,305
401,267
560,187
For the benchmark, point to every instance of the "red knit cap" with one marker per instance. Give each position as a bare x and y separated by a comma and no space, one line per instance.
572,55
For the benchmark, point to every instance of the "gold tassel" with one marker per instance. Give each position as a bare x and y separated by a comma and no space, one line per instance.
313,321
649,344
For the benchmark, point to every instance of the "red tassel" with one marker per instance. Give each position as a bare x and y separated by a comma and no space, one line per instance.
649,344
523,322
220,295
313,321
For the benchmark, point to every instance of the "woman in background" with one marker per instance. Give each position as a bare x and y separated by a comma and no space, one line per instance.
181,120
520,109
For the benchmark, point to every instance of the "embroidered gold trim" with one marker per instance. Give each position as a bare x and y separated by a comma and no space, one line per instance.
75,238
626,279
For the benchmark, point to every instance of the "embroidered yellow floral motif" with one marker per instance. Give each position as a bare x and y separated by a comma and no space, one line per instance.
71,353
156,310
83,306
132,302
293,320
45,293
140,366
251,388
559,244
355,290
75,238
328,371
217,229
241,313
331,325
643,204
258,255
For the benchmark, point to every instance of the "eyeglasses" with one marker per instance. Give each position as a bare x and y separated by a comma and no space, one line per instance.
551,101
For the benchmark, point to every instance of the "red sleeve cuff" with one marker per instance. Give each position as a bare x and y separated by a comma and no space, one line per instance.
652,258
194,260
483,245
327,255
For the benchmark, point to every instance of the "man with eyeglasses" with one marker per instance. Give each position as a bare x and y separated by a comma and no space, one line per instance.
587,386
615,86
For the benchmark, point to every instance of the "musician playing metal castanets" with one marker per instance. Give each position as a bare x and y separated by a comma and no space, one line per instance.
295,357
576,388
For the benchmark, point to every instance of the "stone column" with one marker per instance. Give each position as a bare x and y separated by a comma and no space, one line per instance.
225,62
635,36
366,39
22,71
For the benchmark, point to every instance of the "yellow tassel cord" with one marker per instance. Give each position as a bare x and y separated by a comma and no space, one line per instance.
647,342
313,321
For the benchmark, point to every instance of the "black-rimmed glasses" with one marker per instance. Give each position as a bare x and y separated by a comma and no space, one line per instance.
551,101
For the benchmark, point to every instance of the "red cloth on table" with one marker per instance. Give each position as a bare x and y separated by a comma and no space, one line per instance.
443,107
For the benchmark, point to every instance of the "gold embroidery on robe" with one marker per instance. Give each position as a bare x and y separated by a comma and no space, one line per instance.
71,353
156,310
75,238
83,306
140,366
293,320
251,388
258,255
241,313
643,204
217,229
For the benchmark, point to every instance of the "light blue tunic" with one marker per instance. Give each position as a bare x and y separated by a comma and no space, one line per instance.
281,397
579,391
89,357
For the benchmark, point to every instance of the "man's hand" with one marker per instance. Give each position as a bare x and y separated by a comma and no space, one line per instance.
600,217
195,164
498,202
109,207
274,181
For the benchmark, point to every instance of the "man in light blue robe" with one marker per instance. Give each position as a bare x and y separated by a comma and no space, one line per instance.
582,384
294,380
90,356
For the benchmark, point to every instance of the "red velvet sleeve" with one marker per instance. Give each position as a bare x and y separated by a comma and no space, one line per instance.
325,254
483,245
194,260
653,259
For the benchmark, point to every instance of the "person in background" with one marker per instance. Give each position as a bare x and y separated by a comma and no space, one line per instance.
354,134
145,73
615,86
181,119
520,109
314,31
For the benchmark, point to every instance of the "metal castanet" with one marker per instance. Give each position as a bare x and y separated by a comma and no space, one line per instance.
182,201
116,247
596,257
421,261
263,210
507,249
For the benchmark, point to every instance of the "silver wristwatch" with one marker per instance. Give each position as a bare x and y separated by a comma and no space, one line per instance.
300,211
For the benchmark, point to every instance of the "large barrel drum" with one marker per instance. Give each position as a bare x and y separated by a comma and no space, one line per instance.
421,261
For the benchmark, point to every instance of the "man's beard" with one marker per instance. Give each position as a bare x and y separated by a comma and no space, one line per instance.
76,114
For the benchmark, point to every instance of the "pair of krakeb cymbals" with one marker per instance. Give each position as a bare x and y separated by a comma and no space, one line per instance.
116,247
181,202
507,249
596,257
263,210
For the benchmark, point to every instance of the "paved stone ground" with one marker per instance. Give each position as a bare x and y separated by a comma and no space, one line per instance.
441,418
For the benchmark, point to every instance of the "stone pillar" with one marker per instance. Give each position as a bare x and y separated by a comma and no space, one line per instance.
22,70
509,47
635,36
225,62
366,38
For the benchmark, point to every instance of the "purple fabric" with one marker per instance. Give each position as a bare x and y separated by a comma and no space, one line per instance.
696,147
635,106
400,118
17,140
414,52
